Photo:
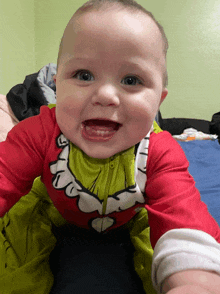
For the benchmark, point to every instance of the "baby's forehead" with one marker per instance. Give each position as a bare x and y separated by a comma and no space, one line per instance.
77,21
93,21
108,10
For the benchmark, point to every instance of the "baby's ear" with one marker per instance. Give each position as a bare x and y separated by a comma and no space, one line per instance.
55,78
163,95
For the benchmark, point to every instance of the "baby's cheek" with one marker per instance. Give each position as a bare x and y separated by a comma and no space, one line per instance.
62,118
65,108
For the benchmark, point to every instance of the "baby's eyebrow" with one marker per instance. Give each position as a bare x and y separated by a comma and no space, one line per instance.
84,58
144,69
74,60
133,65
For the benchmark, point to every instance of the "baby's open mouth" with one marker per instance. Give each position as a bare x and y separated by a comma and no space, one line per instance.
99,129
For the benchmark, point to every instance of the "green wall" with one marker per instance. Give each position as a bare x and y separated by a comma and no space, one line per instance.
30,33
17,42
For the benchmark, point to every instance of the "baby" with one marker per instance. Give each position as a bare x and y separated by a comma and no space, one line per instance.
97,153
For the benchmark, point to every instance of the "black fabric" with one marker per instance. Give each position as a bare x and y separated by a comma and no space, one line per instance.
27,98
89,262
176,126
159,119
136,148
214,127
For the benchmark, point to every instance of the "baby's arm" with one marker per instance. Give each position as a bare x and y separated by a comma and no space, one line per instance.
184,257
21,161
184,236
193,282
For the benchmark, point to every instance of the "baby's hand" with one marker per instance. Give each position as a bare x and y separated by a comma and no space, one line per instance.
192,282
189,289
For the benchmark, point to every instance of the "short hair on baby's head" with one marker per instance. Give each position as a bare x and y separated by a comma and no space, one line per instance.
123,4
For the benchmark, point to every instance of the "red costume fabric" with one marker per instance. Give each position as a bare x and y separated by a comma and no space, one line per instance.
171,198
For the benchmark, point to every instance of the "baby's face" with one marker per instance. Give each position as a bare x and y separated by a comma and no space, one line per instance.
110,81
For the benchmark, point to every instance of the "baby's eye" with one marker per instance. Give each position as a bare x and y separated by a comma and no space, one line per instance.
131,81
83,75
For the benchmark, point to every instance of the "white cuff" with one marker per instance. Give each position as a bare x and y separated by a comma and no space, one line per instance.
183,249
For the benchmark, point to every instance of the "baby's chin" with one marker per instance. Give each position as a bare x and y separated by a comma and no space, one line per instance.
99,154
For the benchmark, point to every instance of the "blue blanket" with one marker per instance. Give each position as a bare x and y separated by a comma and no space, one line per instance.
204,166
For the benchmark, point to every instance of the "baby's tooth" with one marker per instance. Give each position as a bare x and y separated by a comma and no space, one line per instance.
98,132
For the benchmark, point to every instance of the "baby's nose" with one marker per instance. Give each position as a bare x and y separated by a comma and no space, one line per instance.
106,95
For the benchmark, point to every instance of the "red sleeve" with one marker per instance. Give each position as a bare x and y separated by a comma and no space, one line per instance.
173,201
22,157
